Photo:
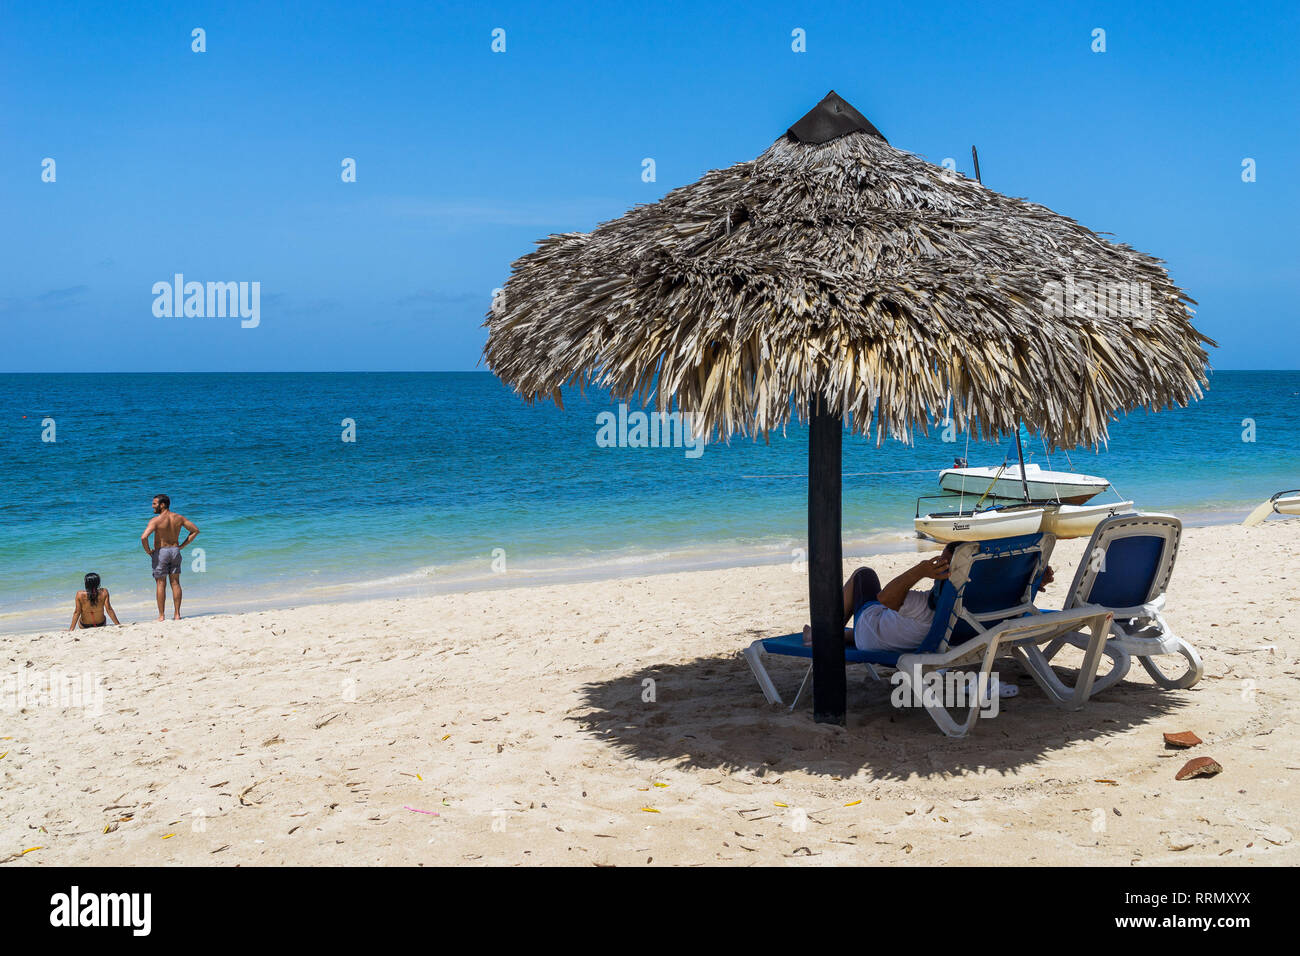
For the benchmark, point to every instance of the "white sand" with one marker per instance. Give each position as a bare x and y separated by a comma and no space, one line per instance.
517,716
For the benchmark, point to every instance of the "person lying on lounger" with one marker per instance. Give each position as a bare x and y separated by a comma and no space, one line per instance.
91,605
900,618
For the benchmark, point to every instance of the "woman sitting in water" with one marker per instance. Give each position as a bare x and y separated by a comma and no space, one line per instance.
92,605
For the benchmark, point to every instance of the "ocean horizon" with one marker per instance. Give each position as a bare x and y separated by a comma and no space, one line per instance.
451,482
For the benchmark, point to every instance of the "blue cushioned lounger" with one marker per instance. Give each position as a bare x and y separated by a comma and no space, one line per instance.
984,609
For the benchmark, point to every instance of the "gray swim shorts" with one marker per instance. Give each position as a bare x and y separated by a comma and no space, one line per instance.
166,561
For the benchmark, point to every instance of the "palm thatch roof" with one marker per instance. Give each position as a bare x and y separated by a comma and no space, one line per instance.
837,266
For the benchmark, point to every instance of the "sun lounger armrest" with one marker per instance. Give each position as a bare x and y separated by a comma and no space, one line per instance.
1044,625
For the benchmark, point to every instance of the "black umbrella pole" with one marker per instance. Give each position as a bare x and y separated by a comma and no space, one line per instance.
825,560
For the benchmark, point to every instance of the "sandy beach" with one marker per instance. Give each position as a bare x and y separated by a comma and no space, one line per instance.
615,723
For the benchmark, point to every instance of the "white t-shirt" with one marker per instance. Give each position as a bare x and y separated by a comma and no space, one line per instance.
880,628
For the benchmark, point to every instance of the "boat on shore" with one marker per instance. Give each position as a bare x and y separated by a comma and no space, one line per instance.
1079,521
1282,503
1024,499
1010,482
1004,521
980,525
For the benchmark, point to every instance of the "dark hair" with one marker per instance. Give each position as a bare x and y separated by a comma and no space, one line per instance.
167,502
92,587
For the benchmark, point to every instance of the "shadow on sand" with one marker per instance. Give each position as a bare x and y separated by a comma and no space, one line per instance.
708,713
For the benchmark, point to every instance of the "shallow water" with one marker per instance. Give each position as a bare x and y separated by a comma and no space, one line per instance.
452,478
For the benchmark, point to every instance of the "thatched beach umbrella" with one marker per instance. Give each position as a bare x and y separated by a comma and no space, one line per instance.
840,281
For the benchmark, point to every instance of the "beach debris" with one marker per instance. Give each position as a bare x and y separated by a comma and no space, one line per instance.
649,810
169,836
1199,767
277,739
1113,783
1182,740
110,827
325,721
243,793
3,755
413,810
1275,835
853,803
657,784
220,848
31,850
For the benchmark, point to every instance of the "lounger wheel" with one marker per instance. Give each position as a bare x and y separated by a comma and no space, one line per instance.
1195,669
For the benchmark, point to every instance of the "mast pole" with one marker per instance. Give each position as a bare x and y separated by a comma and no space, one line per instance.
1020,451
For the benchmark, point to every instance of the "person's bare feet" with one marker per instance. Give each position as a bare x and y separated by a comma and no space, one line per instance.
176,616
162,617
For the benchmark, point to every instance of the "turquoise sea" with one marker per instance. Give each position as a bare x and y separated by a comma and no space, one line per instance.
452,482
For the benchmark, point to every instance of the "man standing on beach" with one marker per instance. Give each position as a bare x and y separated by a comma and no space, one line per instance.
166,526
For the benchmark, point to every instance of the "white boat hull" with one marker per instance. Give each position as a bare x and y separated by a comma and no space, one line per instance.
1043,485
1290,505
983,526
1079,521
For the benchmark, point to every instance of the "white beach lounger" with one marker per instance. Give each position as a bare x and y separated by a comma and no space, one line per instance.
1126,569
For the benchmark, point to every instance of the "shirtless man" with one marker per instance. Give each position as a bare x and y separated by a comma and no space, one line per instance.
166,526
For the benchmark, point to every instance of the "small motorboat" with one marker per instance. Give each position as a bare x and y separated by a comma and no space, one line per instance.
1282,503
1049,501
1079,521
1008,481
981,525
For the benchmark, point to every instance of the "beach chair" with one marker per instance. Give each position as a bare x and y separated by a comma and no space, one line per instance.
984,609
1126,569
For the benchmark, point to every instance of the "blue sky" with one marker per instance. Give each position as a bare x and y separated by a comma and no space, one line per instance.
225,165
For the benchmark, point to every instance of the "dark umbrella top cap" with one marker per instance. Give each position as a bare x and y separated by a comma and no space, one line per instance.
830,119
